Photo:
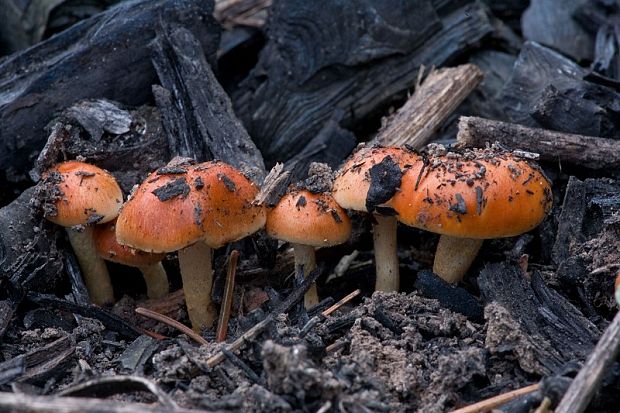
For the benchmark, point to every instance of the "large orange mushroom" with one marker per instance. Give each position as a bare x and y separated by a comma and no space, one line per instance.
468,197
191,209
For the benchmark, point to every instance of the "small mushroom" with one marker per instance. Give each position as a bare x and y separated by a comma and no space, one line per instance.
308,220
470,197
148,263
367,180
191,209
85,195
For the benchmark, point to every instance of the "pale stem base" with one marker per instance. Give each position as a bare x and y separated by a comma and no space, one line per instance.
94,270
197,276
305,256
156,280
386,253
454,257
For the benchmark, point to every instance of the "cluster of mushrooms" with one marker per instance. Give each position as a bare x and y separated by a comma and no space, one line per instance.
192,208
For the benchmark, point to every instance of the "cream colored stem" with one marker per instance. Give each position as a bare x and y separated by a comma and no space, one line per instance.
305,256
197,276
454,257
386,258
156,280
94,270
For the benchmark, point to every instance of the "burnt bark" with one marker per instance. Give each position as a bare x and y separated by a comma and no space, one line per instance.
560,329
102,57
197,112
295,88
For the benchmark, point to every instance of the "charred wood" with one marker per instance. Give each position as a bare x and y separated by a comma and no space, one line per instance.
197,113
589,151
561,332
294,89
102,57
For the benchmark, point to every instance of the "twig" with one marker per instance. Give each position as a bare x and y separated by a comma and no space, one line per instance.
283,307
317,319
172,323
342,302
222,325
432,102
589,151
493,402
587,381
108,386
22,403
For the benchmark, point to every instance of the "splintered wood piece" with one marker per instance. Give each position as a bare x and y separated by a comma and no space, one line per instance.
222,325
587,381
172,323
433,101
274,186
589,151
493,402
196,111
232,13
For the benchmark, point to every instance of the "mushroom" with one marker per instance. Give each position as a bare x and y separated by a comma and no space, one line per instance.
368,179
148,263
84,195
191,209
468,197
308,220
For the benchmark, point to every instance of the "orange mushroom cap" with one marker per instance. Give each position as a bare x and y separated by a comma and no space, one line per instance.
87,194
228,211
109,249
178,206
305,218
485,194
352,182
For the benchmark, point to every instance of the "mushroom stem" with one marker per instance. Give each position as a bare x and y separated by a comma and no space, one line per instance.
305,256
454,257
156,280
386,258
197,276
94,270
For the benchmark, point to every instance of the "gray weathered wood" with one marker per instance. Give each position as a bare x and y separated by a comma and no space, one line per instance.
589,151
433,101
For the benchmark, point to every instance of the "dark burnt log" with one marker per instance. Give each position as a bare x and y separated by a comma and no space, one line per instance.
561,333
588,151
548,90
586,246
128,143
29,257
197,112
551,22
295,88
40,364
330,146
102,57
